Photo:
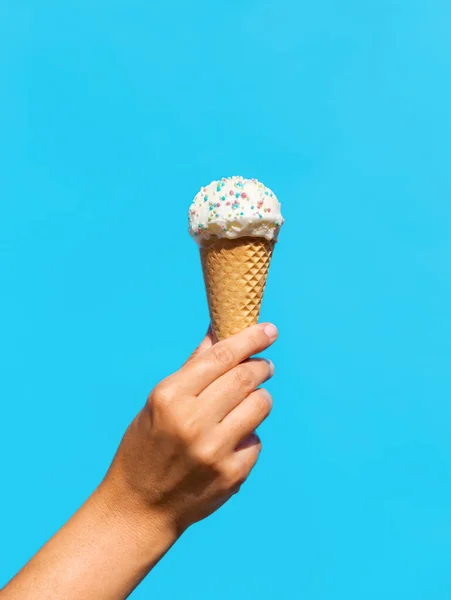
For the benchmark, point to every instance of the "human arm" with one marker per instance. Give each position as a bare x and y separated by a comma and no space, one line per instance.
188,450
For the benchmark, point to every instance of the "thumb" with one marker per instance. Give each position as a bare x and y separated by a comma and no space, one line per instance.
205,344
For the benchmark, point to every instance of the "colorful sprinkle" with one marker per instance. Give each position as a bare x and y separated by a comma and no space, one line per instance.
241,200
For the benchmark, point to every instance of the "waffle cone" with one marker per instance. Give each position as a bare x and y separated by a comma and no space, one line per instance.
235,273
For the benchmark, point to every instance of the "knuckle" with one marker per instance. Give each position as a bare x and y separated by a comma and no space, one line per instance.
234,477
162,394
236,488
206,455
243,377
223,354
187,429
254,340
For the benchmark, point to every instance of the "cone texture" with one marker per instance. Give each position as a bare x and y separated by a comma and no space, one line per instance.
235,273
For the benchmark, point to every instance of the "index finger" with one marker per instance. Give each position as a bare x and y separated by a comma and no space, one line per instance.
201,371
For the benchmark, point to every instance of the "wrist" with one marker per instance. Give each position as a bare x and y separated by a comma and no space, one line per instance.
150,531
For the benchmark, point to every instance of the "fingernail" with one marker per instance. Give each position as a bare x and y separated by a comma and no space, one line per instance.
270,365
267,395
271,331
251,440
254,440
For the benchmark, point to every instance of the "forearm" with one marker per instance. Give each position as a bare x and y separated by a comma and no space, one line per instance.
185,454
102,553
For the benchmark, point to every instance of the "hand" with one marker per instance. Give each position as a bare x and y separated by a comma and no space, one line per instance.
194,442
185,454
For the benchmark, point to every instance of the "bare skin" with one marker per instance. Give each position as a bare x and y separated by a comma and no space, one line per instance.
185,454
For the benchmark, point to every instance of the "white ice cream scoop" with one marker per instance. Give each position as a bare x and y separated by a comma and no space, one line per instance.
235,207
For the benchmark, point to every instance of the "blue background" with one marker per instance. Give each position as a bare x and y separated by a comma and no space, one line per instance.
112,115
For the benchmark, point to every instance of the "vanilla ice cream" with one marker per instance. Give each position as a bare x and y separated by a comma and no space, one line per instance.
235,207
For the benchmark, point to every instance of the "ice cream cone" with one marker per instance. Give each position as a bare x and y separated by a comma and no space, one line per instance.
235,222
235,273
